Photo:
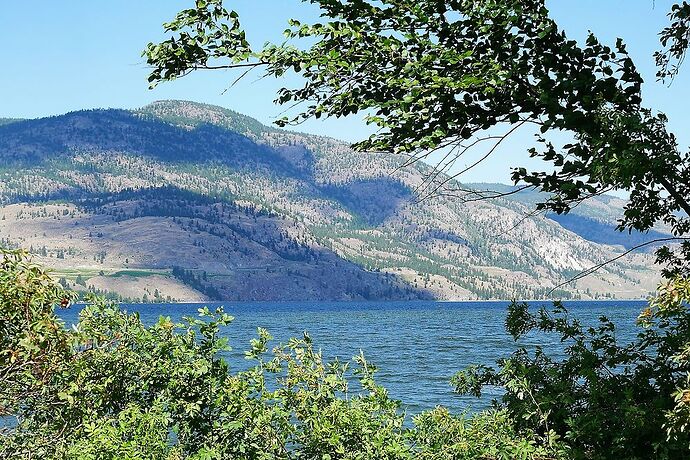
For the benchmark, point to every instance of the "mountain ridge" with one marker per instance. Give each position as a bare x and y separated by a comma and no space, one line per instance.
210,203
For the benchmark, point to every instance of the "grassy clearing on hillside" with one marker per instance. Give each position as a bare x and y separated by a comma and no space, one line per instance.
86,273
143,273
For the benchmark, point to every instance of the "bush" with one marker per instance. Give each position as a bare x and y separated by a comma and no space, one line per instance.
114,388
604,399
489,435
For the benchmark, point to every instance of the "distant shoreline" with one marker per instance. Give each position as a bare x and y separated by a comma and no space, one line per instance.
289,302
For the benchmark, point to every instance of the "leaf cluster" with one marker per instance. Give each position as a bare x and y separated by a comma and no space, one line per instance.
602,398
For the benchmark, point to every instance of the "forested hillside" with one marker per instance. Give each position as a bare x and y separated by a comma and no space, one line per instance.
185,201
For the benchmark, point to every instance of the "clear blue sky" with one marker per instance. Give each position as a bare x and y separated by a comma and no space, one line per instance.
60,56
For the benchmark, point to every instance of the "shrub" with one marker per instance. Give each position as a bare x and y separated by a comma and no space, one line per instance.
604,399
115,388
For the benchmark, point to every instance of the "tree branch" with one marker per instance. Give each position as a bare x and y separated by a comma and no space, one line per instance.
597,267
680,199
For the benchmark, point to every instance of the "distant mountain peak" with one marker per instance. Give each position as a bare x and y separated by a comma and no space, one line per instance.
191,114
7,121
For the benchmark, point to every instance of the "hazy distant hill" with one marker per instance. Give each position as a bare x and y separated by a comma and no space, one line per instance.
594,220
191,201
6,121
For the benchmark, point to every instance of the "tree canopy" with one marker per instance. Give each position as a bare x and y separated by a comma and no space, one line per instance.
437,75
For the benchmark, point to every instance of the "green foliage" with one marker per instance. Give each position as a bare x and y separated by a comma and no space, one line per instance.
436,74
492,436
604,399
132,434
216,33
114,388
33,344
675,39
670,304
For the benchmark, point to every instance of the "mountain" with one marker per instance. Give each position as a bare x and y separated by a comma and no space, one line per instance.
595,219
187,201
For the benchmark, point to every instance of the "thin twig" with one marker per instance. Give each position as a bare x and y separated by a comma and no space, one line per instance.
484,157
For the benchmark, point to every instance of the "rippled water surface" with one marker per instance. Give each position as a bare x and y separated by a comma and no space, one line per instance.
417,346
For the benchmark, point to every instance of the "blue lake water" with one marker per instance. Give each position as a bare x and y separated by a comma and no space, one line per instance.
417,346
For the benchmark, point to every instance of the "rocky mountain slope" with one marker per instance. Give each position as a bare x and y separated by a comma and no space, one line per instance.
187,201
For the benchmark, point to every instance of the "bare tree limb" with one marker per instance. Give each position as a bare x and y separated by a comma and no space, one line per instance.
450,178
597,267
